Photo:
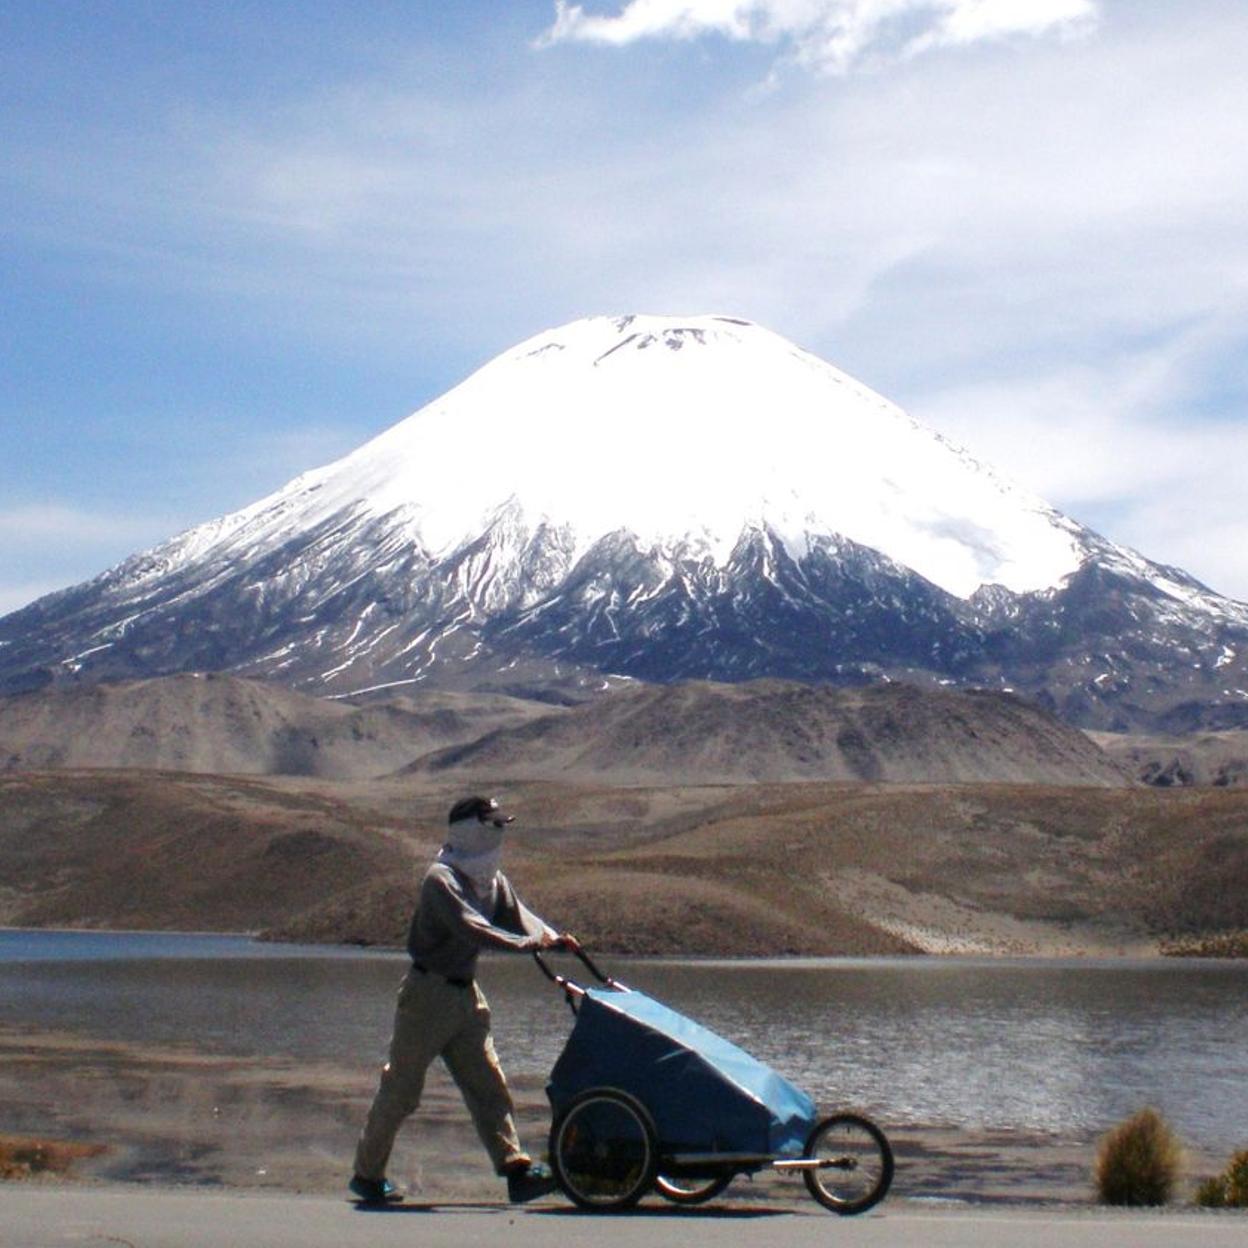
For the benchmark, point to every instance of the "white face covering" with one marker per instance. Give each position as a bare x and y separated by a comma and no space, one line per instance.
475,849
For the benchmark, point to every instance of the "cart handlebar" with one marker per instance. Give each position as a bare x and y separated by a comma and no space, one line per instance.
572,990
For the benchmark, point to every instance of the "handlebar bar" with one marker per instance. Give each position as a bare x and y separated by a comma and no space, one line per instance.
574,990
584,959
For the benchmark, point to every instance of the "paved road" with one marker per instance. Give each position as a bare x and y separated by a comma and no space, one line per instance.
53,1217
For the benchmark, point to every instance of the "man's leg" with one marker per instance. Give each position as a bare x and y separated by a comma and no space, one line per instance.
473,1063
423,1019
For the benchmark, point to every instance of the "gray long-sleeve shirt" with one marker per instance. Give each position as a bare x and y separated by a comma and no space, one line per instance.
452,924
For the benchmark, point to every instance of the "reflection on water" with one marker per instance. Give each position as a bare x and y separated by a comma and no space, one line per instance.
1067,1047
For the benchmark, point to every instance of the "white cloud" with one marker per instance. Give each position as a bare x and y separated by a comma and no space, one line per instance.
945,212
68,525
972,21
1088,195
829,35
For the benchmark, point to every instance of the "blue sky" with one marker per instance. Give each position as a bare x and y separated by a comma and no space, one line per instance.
238,240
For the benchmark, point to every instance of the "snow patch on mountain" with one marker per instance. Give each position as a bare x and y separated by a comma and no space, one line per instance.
679,431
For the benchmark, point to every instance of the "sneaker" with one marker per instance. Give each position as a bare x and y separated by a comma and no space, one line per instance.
374,1191
529,1182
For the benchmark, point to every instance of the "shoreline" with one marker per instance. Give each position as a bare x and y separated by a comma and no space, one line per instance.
1077,956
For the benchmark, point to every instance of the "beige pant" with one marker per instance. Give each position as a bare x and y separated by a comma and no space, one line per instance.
436,1019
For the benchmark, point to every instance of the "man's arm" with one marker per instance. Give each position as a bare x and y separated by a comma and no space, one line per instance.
512,911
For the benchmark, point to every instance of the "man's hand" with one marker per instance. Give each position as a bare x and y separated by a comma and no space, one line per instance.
549,940
569,942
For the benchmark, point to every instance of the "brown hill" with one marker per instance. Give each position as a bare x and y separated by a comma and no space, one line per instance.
811,868
227,725
1219,759
179,852
703,733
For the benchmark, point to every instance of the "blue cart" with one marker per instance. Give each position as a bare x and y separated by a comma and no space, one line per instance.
645,1099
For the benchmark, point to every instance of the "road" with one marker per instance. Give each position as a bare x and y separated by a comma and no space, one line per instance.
33,1216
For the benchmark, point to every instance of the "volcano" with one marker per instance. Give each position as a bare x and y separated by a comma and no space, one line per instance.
656,498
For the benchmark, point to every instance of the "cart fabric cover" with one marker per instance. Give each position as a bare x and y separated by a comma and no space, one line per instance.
703,1092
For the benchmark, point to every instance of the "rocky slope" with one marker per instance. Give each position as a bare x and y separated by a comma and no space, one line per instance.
779,731
690,733
208,723
1204,759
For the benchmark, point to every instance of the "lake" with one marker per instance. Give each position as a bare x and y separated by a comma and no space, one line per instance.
1067,1047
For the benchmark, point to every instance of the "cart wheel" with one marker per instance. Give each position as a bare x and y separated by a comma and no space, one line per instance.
690,1191
856,1163
603,1150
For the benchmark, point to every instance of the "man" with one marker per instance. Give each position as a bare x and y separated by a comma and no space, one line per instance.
466,904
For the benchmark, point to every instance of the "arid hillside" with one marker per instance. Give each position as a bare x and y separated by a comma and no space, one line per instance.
161,850
782,731
227,725
1217,759
812,868
693,733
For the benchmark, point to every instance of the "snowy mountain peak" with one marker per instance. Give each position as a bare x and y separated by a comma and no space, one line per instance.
687,430
659,498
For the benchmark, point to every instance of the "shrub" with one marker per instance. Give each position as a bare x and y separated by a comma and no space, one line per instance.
1211,1193
1221,945
22,1158
1138,1162
1237,1180
1228,1190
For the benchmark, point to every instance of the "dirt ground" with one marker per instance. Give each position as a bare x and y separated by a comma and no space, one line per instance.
182,1117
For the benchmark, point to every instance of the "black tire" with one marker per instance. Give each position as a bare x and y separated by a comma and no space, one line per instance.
682,1191
858,1165
604,1150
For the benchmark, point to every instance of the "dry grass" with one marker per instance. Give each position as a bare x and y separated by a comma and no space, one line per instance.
1138,1162
1228,1190
22,1158
1227,945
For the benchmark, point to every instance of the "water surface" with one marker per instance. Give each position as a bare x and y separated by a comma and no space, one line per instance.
1061,1046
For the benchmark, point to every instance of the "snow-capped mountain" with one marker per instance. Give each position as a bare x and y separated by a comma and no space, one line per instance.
661,498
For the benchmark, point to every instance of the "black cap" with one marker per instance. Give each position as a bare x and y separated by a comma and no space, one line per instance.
482,809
